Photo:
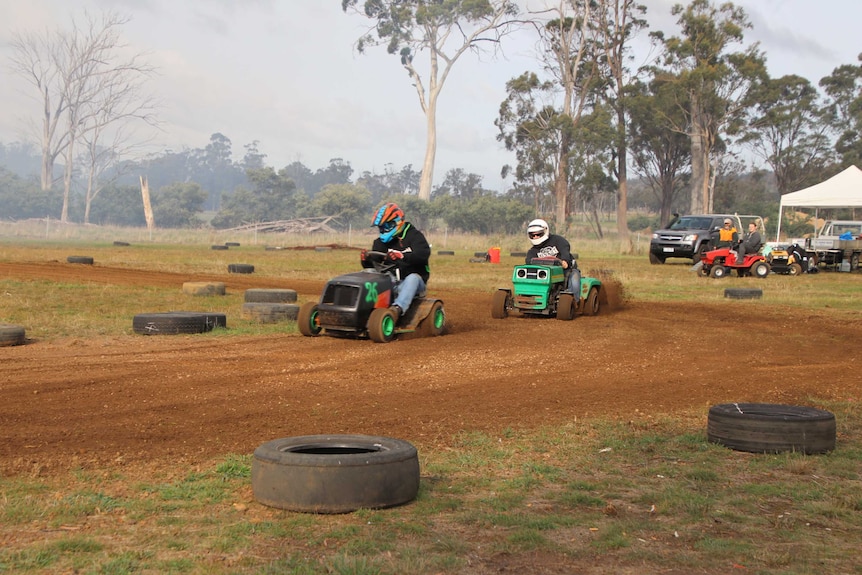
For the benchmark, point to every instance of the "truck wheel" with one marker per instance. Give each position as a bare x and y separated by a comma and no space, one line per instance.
760,269
566,307
794,269
717,272
854,262
335,473
771,428
307,320
655,259
434,324
381,325
501,304
592,305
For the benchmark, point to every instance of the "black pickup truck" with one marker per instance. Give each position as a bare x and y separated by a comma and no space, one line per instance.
689,236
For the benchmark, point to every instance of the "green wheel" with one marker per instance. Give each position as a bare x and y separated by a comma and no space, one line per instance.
434,324
307,320
381,325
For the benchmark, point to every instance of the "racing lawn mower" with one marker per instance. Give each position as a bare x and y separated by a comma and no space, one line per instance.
720,262
539,289
791,260
357,305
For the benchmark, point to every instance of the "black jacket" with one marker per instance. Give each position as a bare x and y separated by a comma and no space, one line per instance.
752,242
553,247
412,243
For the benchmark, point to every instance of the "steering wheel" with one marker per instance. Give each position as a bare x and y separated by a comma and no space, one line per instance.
380,261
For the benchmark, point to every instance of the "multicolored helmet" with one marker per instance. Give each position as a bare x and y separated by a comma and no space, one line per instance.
389,219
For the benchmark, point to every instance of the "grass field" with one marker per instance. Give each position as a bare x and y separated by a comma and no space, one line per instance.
598,496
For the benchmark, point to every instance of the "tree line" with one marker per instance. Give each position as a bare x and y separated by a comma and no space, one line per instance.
578,124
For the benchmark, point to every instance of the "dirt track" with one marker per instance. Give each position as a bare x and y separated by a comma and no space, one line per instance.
162,400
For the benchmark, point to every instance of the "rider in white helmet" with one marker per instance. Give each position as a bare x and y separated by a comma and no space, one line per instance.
548,245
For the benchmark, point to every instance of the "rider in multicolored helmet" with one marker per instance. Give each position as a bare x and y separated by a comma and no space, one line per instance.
407,247
548,245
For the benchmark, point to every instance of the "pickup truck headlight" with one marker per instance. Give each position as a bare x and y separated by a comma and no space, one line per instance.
655,236
690,238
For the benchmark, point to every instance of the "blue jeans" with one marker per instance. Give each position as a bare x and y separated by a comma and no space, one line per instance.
575,283
407,289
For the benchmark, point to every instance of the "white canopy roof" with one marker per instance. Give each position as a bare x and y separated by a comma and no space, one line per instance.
843,190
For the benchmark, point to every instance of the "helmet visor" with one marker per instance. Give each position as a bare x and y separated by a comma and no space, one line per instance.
534,235
386,227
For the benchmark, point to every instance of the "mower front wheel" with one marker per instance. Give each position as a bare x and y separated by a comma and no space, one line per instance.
760,269
566,307
501,303
717,272
381,325
307,320
794,269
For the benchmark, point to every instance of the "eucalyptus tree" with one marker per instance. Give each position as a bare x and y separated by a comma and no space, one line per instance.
716,83
445,29
790,131
843,87
77,75
617,22
660,154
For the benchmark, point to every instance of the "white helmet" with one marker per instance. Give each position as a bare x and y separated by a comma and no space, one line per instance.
539,227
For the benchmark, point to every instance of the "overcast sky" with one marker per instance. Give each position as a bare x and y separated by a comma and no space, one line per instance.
284,73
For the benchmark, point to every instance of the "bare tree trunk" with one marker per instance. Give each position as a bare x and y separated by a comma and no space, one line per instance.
148,208
430,147
561,192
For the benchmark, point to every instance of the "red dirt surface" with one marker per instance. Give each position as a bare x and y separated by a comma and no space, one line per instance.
160,401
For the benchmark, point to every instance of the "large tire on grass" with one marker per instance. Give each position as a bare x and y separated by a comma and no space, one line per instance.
592,304
240,268
500,304
518,254
11,335
566,307
170,323
218,247
771,428
335,473
79,260
270,312
307,320
445,253
261,295
743,293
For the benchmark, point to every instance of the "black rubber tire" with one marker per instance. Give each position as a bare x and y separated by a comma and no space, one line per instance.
566,307
743,293
262,295
222,247
655,260
480,254
335,473
79,260
518,254
240,268
500,304
760,269
381,325
211,319
718,271
118,243
445,253
270,312
434,323
170,323
771,428
592,304
307,320
204,288
794,269
11,335
232,244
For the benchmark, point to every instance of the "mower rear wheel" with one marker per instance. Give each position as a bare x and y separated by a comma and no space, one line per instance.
307,321
794,269
500,305
717,272
434,324
592,305
760,269
566,307
381,325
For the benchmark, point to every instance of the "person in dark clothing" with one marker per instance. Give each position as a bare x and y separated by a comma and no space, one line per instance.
407,248
548,245
751,244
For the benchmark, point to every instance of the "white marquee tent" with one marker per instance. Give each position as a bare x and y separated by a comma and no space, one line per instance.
843,190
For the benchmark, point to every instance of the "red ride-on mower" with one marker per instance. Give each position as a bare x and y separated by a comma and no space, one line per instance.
720,262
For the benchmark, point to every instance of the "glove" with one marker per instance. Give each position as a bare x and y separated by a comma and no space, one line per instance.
362,255
394,255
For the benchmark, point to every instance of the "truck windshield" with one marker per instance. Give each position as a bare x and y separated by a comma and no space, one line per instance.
839,228
691,223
